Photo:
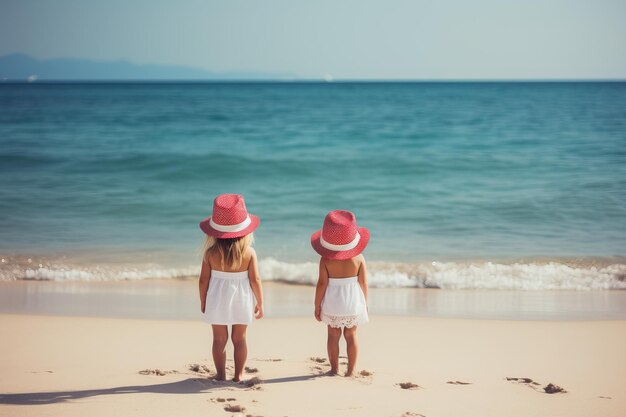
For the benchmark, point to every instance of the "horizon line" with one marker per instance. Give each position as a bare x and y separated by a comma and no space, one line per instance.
304,80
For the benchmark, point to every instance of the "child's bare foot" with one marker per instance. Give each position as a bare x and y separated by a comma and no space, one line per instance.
349,373
237,379
220,377
332,372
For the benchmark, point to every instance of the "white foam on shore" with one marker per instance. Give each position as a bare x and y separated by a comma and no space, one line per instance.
468,275
306,273
523,276
65,272
551,275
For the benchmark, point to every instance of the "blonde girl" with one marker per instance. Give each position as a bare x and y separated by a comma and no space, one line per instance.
230,286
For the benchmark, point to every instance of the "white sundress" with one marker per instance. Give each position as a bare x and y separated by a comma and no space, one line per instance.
344,303
230,299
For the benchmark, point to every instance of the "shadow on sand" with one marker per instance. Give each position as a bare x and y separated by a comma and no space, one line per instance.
186,386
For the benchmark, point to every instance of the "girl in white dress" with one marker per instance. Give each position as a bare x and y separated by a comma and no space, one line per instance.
341,292
230,285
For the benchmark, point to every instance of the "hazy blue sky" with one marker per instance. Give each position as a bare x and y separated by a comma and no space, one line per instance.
390,39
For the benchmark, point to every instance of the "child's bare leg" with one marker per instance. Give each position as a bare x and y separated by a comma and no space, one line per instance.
349,333
241,349
220,338
332,345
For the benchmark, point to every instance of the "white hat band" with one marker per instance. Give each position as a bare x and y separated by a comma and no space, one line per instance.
338,248
231,227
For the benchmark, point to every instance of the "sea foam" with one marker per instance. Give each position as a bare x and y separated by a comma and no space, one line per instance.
545,275
468,275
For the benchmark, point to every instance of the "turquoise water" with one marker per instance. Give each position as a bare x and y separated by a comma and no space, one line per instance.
448,172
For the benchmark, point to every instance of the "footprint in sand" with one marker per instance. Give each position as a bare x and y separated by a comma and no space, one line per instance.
252,383
411,414
364,376
157,372
553,389
223,400
408,385
201,369
548,389
319,369
234,408
458,383
251,370
522,380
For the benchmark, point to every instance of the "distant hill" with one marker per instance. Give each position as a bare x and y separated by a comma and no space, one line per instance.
21,67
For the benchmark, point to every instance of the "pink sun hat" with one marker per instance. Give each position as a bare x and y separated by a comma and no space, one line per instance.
230,218
340,238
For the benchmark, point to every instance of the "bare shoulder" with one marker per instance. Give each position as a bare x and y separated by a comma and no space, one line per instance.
249,255
209,258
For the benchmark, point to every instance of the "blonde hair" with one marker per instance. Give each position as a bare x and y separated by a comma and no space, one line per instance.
231,251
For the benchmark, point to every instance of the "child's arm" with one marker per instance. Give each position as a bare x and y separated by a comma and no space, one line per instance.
255,284
363,278
320,290
205,277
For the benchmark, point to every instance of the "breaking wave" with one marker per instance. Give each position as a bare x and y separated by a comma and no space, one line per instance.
593,274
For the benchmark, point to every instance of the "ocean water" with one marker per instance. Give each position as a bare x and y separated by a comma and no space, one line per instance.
462,185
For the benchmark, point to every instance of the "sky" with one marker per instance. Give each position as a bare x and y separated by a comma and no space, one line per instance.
342,39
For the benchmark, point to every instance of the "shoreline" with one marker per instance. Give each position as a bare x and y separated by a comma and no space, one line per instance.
522,273
77,366
178,299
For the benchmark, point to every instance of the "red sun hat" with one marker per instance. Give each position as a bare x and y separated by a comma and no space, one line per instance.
230,218
340,238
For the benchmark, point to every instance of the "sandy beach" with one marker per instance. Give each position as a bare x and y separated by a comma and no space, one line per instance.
78,366
453,170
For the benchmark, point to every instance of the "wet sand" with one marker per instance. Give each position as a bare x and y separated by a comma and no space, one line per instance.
177,299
